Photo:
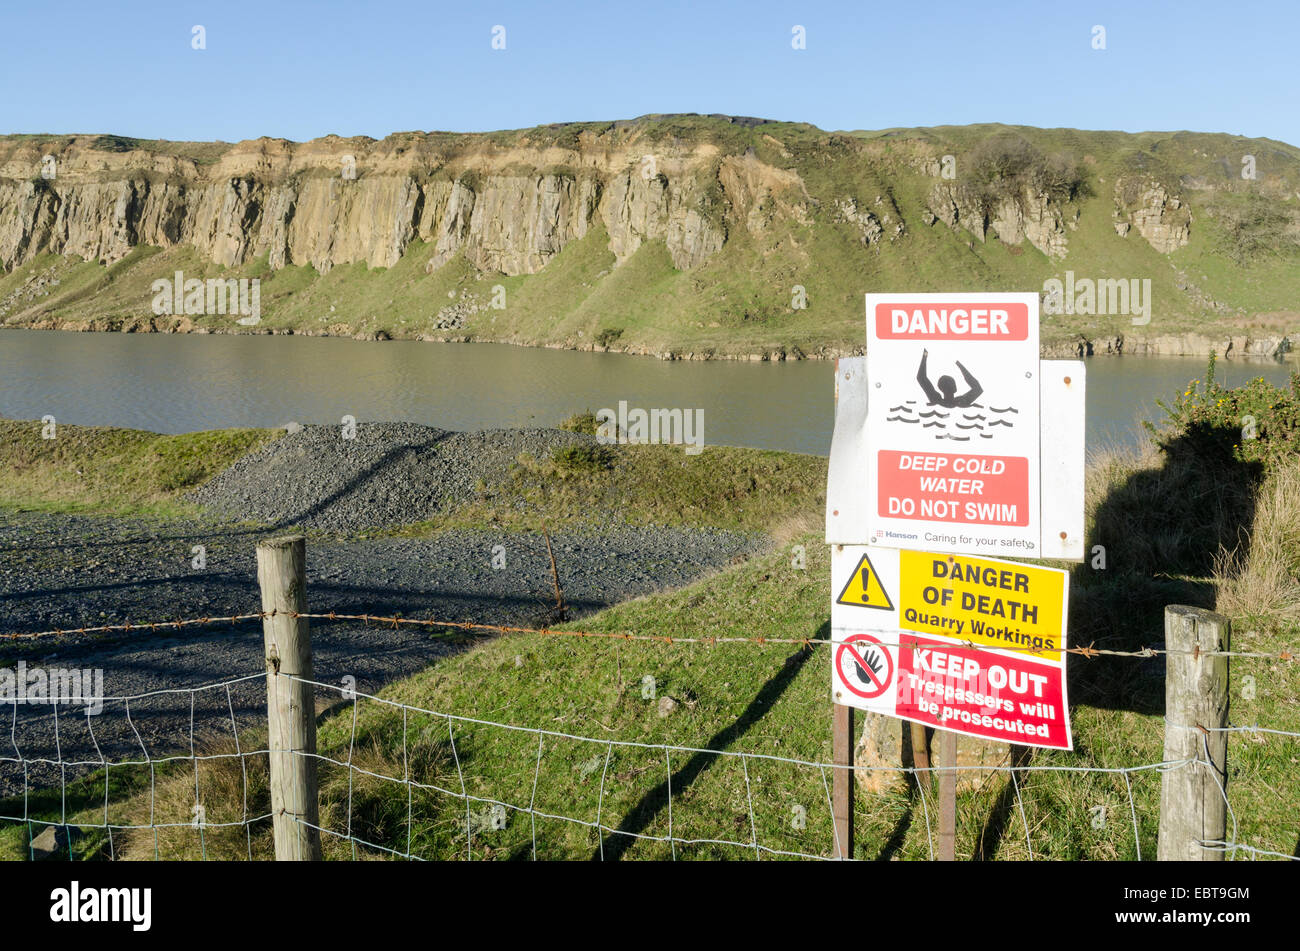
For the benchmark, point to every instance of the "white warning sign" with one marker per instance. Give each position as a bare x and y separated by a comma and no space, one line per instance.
953,414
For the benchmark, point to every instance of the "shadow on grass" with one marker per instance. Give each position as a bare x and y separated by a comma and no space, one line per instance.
898,835
640,816
1159,533
995,825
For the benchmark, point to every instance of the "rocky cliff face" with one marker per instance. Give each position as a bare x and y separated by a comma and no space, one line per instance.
296,205
1027,216
508,206
1162,218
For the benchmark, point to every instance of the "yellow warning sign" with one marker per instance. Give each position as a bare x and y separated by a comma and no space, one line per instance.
994,603
864,589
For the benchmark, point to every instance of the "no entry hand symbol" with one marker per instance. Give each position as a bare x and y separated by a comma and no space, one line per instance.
865,667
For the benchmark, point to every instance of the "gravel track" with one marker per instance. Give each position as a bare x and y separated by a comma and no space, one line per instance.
60,571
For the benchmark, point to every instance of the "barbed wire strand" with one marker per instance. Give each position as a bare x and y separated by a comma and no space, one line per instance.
1090,651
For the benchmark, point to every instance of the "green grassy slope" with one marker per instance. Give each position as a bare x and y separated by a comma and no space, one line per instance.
112,471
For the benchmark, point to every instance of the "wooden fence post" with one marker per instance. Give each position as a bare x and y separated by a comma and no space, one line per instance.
290,703
1192,798
947,796
843,782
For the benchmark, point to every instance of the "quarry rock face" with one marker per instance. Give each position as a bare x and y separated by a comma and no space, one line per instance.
638,209
1032,217
1162,218
800,208
294,204
512,224
1028,216
870,230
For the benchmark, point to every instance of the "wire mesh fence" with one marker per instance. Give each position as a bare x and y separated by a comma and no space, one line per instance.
55,797
652,811
183,773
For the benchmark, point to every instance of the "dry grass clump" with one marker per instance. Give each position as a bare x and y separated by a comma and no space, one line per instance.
1261,582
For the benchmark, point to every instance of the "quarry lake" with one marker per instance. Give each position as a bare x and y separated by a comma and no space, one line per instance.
176,383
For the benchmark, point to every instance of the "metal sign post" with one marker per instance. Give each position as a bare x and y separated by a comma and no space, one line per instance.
842,785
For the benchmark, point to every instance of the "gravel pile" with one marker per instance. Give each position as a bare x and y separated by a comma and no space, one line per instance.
389,474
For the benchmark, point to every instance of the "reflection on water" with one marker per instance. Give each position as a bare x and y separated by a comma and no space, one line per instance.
177,383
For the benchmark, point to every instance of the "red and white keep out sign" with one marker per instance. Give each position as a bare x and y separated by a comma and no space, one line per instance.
952,420
982,693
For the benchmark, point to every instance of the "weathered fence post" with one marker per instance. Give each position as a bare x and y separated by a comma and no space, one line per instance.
1193,809
947,796
844,780
290,703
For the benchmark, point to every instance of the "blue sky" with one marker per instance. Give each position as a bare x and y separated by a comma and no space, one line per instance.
299,70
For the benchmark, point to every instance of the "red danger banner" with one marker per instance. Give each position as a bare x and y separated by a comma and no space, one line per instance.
903,320
970,691
955,488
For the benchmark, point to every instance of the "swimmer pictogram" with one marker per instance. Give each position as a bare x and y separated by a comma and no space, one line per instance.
946,395
946,414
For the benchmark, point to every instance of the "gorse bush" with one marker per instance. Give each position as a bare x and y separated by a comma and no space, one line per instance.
1257,422
1253,226
1003,166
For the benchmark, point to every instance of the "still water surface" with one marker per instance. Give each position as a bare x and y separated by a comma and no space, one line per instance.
175,383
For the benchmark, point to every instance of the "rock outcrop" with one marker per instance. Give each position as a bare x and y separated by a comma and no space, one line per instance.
506,211
1028,216
639,209
1162,218
868,226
